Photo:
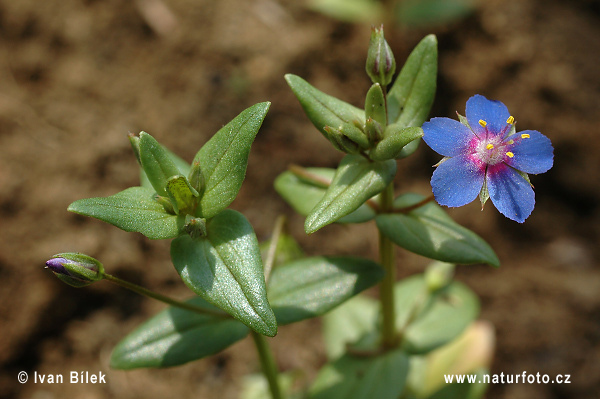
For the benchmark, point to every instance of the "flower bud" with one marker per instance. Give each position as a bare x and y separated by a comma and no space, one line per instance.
438,275
196,178
340,142
195,227
381,64
76,269
374,131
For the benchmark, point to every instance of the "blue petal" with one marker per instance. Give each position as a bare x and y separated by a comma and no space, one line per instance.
531,155
446,136
511,194
457,181
494,113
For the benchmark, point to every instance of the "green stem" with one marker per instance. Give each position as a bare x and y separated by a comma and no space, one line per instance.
268,364
169,301
272,251
386,292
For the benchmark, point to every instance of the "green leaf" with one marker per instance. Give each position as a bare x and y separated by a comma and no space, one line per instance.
428,320
310,287
356,180
133,209
226,270
223,159
412,94
176,336
347,323
349,377
182,166
430,232
395,138
156,162
304,194
375,105
322,109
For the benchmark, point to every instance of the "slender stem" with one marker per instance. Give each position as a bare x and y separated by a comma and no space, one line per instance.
419,204
386,292
268,364
272,252
169,301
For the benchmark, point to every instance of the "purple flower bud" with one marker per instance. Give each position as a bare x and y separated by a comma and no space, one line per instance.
75,269
381,63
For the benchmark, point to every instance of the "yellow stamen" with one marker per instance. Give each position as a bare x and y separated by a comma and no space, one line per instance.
489,146
510,154
524,136
511,141
510,120
482,123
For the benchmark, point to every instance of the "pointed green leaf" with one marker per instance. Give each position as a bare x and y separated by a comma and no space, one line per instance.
176,336
356,180
182,166
310,287
411,96
375,105
156,162
430,232
223,159
395,138
349,377
226,270
133,209
322,109
428,320
304,194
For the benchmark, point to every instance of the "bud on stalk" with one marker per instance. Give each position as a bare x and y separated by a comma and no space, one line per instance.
381,64
77,270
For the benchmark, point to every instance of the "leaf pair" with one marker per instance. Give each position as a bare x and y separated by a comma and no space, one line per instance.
297,290
222,162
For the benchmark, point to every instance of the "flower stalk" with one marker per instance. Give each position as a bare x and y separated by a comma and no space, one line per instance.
162,298
386,292
268,364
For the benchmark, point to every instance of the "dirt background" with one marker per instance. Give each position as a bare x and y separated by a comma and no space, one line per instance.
77,76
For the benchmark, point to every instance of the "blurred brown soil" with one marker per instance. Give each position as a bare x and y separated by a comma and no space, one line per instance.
77,76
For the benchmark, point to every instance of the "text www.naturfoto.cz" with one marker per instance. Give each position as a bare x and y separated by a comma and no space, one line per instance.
502,378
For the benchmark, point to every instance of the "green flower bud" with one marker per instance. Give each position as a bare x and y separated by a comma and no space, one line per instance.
340,142
381,64
438,275
374,131
195,227
165,202
76,269
196,178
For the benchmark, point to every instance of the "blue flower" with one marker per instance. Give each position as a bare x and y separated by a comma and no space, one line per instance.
483,155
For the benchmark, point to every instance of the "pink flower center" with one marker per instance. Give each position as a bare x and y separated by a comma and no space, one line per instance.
491,150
